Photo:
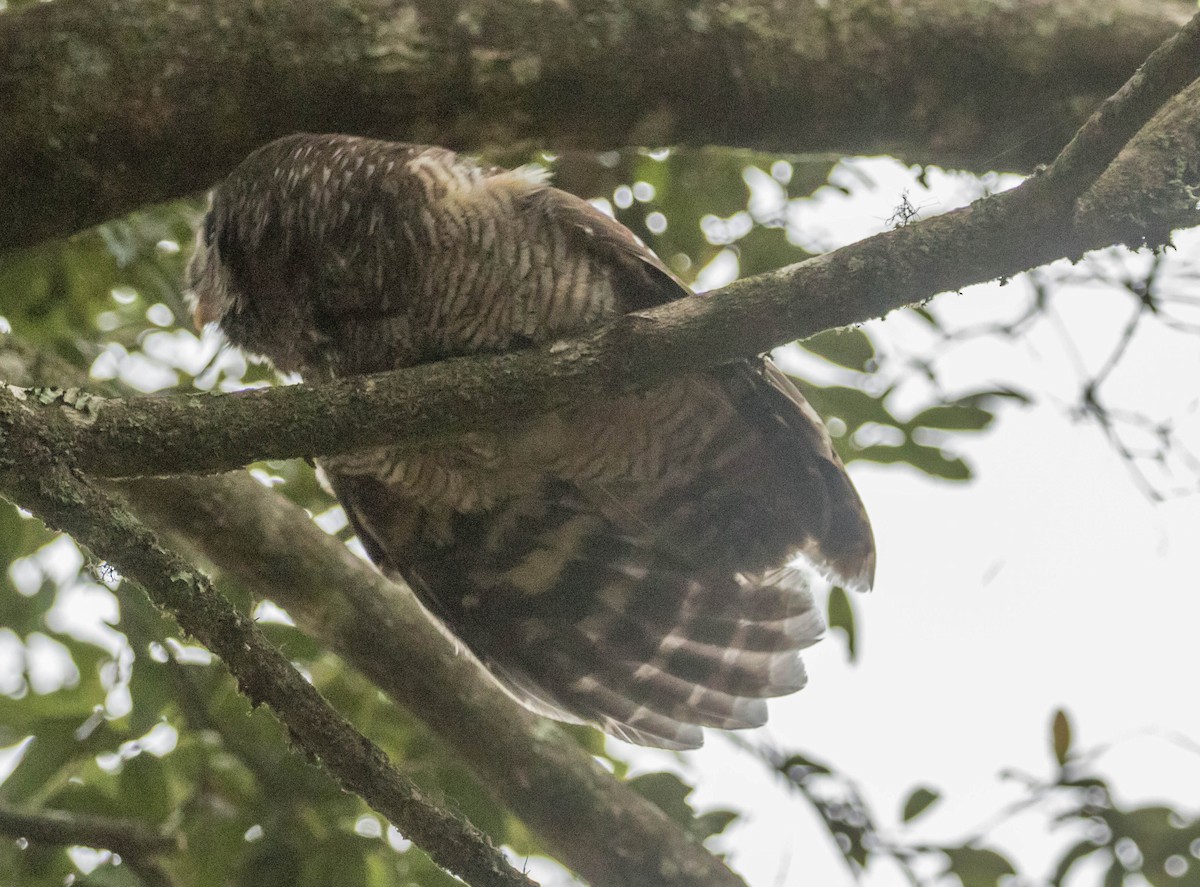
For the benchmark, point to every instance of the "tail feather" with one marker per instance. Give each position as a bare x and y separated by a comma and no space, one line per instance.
643,686
635,723
797,632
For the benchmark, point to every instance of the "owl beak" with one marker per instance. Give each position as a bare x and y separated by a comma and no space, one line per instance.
205,313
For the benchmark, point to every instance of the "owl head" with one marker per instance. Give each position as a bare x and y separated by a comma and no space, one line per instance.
243,278
209,292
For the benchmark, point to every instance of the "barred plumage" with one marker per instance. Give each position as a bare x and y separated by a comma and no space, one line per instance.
625,565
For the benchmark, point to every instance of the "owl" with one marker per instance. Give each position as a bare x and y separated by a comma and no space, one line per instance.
627,563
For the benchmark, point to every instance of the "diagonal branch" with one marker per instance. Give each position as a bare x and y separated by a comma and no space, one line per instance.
594,823
1167,71
33,478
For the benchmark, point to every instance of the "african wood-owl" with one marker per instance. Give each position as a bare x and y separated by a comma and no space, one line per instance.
625,564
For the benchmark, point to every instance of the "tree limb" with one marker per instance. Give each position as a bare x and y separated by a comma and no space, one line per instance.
1154,184
109,106
997,236
128,837
33,477
136,843
594,823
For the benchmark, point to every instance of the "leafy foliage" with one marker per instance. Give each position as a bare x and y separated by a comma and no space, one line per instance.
1154,844
126,720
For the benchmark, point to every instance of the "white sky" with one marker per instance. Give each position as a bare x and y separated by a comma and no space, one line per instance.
1048,581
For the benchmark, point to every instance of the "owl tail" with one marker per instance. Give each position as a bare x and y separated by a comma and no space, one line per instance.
581,622
654,668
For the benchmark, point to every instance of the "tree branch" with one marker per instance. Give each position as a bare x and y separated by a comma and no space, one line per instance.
998,236
33,477
127,837
109,106
1153,185
594,823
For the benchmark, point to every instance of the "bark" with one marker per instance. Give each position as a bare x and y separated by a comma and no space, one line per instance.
1154,184
108,106
588,819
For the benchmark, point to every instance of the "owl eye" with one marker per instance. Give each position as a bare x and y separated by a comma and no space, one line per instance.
210,228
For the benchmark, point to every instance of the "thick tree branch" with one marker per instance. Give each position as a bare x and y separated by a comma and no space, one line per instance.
595,824
109,106
1166,73
998,236
1154,184
32,477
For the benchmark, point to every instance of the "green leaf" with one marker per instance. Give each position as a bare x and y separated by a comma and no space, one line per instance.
853,406
340,860
918,802
977,866
840,616
291,641
1072,856
667,792
25,615
926,315
712,823
55,754
670,793
809,765
19,535
109,875
850,348
144,791
765,249
1159,833
930,460
38,865
1060,734
953,417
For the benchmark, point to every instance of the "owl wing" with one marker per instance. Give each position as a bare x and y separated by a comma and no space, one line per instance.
633,574
840,542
